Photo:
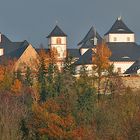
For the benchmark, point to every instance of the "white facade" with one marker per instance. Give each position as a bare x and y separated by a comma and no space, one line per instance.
60,44
83,50
138,71
120,38
121,67
1,51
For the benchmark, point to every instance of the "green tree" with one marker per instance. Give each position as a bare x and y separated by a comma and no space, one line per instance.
28,77
41,75
68,65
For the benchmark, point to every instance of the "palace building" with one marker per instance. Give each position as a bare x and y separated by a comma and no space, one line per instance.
120,40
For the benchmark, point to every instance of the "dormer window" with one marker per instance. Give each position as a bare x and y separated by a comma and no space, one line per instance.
125,57
120,29
58,40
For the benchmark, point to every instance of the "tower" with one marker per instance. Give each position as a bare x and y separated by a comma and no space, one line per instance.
58,39
119,32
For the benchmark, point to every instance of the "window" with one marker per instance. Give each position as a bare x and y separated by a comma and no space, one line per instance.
115,38
58,41
128,38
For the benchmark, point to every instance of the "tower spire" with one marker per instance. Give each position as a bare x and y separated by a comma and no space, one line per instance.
120,17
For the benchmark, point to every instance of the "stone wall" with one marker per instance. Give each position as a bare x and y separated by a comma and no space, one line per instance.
133,82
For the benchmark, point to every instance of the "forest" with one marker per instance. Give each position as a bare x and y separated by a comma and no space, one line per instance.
49,104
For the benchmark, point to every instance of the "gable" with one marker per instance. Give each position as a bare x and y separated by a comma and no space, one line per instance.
28,58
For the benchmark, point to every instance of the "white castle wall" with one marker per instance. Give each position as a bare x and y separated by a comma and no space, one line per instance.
122,65
120,38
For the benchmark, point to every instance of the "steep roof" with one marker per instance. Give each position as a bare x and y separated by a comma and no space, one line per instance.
88,44
19,51
133,69
124,51
90,36
12,49
56,32
73,52
120,52
119,27
86,58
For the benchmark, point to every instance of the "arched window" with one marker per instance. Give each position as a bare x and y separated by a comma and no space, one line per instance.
58,40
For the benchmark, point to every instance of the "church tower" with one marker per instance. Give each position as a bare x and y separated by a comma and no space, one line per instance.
119,32
58,39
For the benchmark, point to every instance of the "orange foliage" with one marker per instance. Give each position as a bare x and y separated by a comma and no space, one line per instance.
2,73
6,68
55,125
49,57
101,57
16,87
52,106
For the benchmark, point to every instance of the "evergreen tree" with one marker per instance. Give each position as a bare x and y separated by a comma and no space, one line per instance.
68,66
42,80
28,77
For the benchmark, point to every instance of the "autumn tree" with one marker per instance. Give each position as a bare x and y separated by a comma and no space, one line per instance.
12,111
101,62
6,75
48,123
16,86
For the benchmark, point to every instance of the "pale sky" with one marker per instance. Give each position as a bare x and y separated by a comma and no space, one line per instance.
33,20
